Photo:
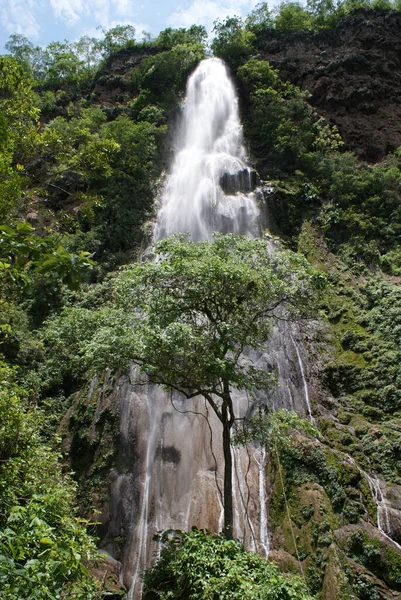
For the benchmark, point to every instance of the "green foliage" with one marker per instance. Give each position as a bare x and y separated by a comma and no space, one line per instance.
171,294
259,19
168,38
286,135
130,190
324,13
95,176
77,148
364,550
362,207
367,365
356,206
68,65
256,74
64,68
165,74
369,552
193,280
292,16
18,115
232,41
44,548
393,568
24,256
200,565
120,36
274,430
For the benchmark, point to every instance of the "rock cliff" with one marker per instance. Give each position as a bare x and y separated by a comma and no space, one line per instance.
353,73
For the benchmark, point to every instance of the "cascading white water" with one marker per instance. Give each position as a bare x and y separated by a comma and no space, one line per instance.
209,188
179,469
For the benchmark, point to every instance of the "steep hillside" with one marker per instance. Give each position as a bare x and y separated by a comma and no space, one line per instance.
321,114
353,74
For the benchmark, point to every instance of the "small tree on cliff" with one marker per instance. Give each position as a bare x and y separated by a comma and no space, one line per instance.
188,317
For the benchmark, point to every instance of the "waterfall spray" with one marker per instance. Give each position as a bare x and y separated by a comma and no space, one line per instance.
210,185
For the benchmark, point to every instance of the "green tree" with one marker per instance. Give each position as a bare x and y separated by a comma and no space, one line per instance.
64,67
32,267
256,74
188,317
201,565
44,549
323,13
166,73
21,49
260,19
18,116
116,38
273,429
292,16
168,38
232,41
77,147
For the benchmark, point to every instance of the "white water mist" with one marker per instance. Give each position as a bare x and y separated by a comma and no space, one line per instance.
209,187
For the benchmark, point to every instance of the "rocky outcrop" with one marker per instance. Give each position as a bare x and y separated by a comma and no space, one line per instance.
114,82
353,74
244,181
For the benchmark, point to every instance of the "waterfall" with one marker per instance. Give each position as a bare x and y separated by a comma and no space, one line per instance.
179,459
210,187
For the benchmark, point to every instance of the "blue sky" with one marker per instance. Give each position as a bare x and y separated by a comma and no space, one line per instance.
44,21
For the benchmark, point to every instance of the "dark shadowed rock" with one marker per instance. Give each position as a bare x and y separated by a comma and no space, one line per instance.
353,74
244,181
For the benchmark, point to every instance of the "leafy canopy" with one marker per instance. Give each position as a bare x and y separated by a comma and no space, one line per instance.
17,130
44,548
201,565
24,256
188,316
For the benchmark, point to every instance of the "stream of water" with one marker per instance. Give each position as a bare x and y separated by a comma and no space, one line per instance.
210,189
210,185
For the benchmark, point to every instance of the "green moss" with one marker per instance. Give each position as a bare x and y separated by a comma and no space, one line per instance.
393,568
368,501
344,417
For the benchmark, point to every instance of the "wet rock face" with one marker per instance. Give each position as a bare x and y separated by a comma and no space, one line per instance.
244,181
392,499
353,74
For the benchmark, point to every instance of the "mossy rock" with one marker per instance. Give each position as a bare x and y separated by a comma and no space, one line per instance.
335,583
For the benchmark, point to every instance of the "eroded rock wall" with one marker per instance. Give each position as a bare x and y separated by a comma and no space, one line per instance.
353,73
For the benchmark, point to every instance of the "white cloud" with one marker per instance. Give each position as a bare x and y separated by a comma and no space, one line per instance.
69,11
18,16
102,11
205,12
125,8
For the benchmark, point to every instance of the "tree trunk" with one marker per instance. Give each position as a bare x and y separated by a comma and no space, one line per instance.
228,476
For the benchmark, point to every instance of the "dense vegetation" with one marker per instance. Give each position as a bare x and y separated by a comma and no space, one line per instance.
83,166
200,565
